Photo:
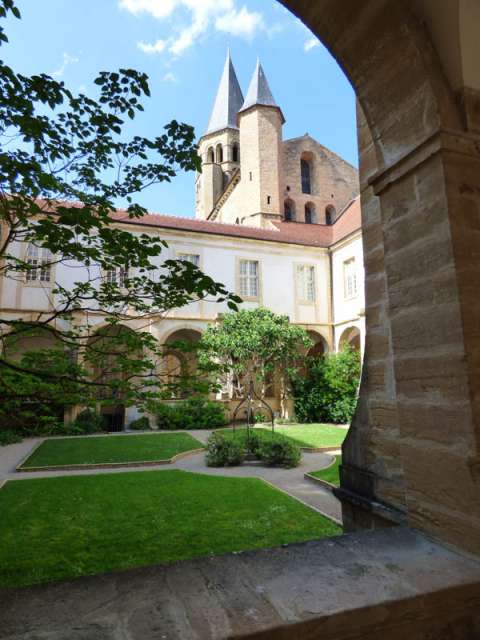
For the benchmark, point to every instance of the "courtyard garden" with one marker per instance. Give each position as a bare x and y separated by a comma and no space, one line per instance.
82,525
110,449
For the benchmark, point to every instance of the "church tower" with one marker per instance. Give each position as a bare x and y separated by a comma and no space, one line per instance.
219,147
260,122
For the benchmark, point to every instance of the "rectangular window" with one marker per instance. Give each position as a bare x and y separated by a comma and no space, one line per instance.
116,276
350,278
249,285
39,261
306,282
190,257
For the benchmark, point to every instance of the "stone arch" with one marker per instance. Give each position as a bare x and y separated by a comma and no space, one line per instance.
177,363
405,106
219,153
330,214
289,211
320,344
210,155
310,213
350,336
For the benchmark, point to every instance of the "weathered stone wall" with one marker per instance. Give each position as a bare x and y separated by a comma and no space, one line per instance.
260,162
334,182
414,447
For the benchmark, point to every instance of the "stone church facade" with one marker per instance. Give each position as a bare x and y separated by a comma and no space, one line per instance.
268,211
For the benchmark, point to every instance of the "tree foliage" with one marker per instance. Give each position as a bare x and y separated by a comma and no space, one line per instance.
65,162
328,391
252,346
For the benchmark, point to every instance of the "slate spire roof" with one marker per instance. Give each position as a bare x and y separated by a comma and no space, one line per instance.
259,92
228,101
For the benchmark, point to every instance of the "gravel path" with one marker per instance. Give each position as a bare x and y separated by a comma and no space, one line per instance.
291,481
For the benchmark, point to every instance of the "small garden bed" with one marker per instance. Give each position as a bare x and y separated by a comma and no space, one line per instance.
58,528
330,475
227,448
98,450
307,436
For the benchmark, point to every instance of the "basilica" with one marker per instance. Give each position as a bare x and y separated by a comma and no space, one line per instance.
277,222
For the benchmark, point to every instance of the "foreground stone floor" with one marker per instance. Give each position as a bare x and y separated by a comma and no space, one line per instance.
292,481
391,583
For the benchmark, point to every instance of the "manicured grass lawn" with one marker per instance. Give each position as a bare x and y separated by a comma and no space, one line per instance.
331,474
305,435
102,449
56,528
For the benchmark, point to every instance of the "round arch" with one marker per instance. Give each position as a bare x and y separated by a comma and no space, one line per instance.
350,336
405,105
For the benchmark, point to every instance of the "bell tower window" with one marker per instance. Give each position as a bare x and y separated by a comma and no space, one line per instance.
310,215
210,155
289,210
305,170
219,154
235,153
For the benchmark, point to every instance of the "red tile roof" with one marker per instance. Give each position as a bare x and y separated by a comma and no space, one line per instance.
313,235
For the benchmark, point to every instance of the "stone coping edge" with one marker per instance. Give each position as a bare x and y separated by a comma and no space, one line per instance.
323,483
106,465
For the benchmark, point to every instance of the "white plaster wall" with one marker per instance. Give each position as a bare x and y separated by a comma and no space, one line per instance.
345,310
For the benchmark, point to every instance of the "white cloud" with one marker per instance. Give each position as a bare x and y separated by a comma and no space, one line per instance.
222,15
67,60
310,44
157,47
243,23
170,77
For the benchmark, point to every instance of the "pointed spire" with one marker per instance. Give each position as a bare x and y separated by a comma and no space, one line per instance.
259,91
228,101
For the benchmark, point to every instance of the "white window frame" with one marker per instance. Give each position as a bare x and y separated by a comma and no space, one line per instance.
350,279
40,259
306,283
117,276
194,258
248,283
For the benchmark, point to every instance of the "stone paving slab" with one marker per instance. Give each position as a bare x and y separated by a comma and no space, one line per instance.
363,585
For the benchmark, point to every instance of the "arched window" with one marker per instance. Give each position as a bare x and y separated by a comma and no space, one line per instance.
235,153
330,214
310,215
219,154
289,210
210,155
305,170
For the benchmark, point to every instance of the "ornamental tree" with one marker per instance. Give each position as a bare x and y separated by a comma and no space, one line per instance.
253,346
64,163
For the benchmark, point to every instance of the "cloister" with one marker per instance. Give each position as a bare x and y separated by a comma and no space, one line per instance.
411,462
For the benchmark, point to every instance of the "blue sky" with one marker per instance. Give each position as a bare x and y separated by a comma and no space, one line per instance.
181,45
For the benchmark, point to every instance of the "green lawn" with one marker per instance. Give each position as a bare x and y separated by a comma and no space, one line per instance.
331,474
305,435
102,449
65,527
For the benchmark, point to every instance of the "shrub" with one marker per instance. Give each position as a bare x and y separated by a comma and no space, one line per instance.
87,422
224,452
279,453
328,392
91,421
7,436
140,424
194,413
